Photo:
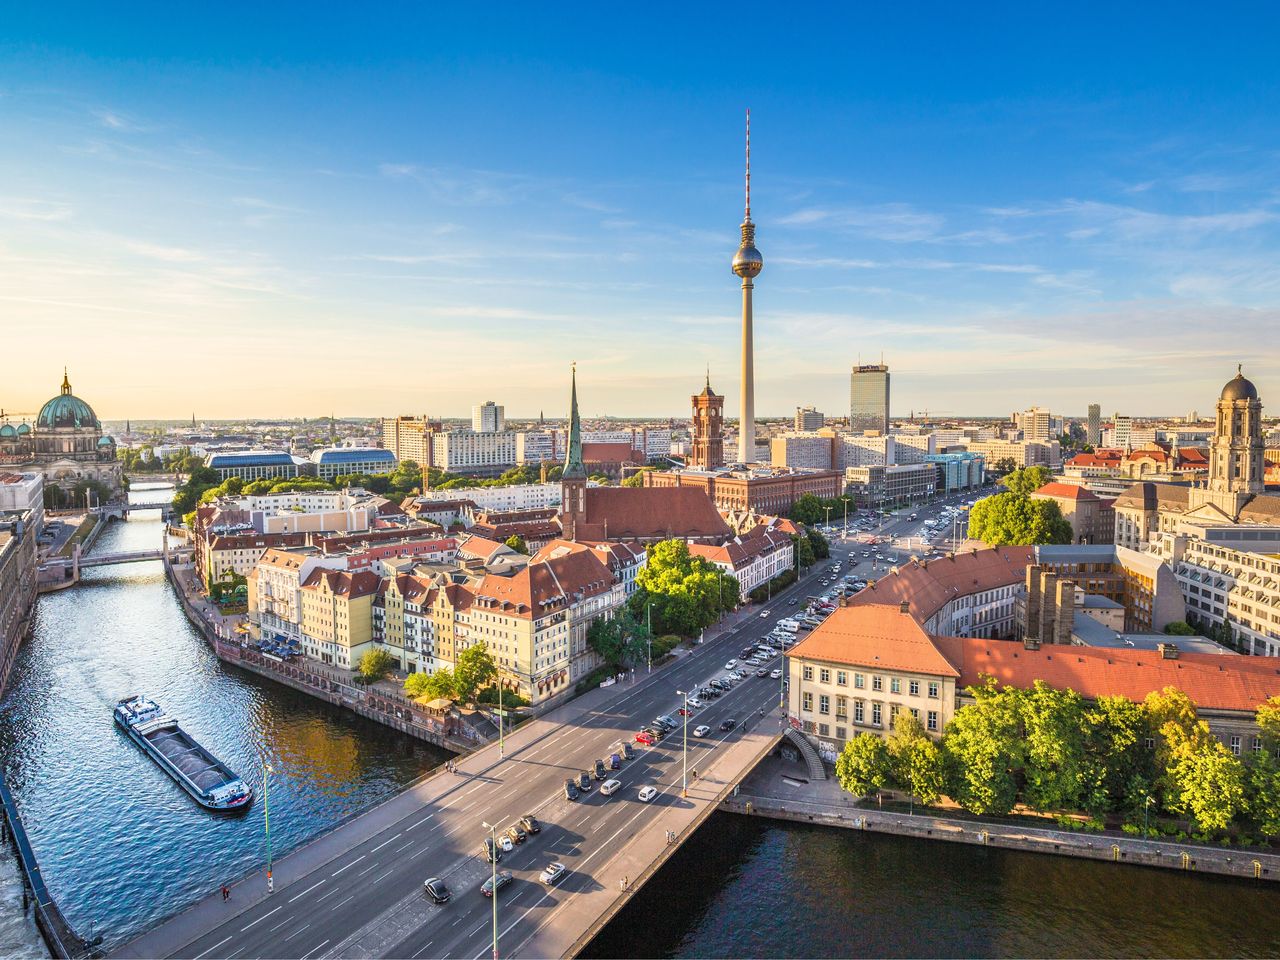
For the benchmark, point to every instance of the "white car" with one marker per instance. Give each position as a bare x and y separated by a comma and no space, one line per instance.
764,614
648,793
776,675
731,664
695,703
701,730
553,873
505,844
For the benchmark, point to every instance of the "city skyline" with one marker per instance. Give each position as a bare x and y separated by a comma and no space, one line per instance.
1032,236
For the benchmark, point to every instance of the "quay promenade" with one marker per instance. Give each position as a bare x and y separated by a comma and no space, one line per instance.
778,789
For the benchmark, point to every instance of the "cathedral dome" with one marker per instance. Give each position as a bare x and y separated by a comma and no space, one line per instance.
24,429
67,410
7,431
1238,388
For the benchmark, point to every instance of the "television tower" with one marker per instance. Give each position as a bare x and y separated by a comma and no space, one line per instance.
747,263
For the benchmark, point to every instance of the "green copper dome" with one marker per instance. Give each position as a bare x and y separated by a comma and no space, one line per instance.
67,410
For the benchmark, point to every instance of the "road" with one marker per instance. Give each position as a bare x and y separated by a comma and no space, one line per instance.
369,901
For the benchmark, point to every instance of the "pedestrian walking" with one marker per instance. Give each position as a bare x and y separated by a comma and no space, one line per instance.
226,893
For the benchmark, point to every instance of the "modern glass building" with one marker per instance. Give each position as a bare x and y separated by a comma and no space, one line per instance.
339,461
869,398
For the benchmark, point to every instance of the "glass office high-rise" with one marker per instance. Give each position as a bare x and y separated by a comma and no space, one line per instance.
869,398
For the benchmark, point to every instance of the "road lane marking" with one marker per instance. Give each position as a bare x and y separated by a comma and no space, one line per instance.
421,822
305,892
327,895
382,875
383,844
213,948
341,902
348,866
280,924
372,866
404,846
305,926
307,955
261,918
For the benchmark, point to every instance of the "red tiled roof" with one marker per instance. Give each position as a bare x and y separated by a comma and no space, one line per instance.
353,585
611,452
929,585
1213,682
876,636
543,586
1065,491
650,513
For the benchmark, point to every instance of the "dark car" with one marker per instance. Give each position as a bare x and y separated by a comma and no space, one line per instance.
570,790
762,672
615,761
584,782
600,771
727,725
436,890
491,852
530,823
516,834
627,752
503,877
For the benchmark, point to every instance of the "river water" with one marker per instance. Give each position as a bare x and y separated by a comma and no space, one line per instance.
122,847
119,843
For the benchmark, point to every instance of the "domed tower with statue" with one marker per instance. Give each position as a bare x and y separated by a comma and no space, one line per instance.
65,444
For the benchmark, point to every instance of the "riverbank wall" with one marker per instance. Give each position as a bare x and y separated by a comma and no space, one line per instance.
63,942
389,709
1234,862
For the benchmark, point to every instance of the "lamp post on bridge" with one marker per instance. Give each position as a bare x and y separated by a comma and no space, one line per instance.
493,880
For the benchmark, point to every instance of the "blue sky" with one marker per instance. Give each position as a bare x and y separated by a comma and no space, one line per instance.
305,209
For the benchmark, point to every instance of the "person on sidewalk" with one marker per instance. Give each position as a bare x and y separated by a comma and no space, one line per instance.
226,893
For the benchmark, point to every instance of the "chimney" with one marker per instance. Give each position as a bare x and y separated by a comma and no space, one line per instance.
1168,651
904,607
1031,643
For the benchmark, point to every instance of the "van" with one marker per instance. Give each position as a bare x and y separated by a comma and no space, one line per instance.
609,787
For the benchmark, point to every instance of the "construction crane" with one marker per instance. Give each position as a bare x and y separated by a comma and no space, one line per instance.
24,414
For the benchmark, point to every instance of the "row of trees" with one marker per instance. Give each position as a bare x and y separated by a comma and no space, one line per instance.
809,509
1013,518
473,670
1053,751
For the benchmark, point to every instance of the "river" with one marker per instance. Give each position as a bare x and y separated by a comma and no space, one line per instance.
121,846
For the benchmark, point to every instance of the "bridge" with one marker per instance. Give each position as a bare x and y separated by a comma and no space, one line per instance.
85,560
357,891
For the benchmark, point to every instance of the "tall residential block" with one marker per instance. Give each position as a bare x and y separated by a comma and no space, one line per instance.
1094,435
1036,424
809,418
869,398
488,417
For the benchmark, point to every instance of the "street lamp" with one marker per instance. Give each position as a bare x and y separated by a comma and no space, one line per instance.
648,616
267,770
1146,802
684,750
782,685
493,860
845,533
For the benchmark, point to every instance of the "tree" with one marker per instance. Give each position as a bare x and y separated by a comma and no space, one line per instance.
1179,628
1002,466
804,552
863,766
376,664
637,478
1268,717
1026,480
622,641
810,509
1054,748
516,543
983,750
821,548
473,669
916,759
1117,770
1011,519
686,593
1264,792
1208,782
432,686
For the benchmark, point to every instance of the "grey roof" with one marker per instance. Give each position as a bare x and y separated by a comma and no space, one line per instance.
1088,632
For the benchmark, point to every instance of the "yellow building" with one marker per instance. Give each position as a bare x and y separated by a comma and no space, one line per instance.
337,615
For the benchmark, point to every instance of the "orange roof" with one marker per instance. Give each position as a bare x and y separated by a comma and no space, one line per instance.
929,585
542,586
1065,491
1212,681
362,584
650,513
876,636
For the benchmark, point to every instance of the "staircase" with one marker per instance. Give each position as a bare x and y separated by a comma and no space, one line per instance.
811,759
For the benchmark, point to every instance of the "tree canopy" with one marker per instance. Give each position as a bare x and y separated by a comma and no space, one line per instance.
864,766
810,509
473,669
622,641
1027,480
376,664
686,593
1014,519
428,687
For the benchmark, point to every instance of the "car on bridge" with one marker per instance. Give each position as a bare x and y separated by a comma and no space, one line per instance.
600,770
505,843
516,833
701,730
584,781
553,873
728,724
647,793
498,881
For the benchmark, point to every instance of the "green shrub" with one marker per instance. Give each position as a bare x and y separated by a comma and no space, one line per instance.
1132,829
1094,825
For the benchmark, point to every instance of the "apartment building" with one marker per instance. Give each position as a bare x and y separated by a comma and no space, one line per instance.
337,616
753,559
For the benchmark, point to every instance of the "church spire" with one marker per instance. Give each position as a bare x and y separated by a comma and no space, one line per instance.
66,383
573,468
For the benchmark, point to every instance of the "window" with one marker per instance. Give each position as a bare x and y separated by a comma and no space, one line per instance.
1235,746
913,687
1257,744
842,733
842,678
842,708
931,722
859,715
877,683
824,676
1151,743
895,685
806,702
824,704
915,713
933,690
875,714
824,730
808,672
859,681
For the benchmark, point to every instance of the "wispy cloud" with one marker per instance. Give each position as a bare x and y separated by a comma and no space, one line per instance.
31,208
896,222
